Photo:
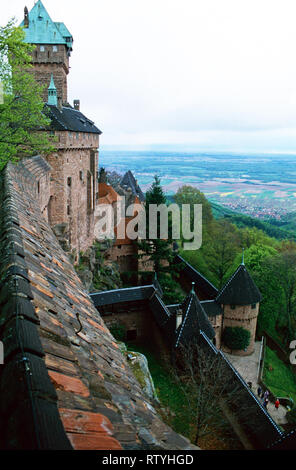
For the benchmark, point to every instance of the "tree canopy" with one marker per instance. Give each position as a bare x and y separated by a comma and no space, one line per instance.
22,114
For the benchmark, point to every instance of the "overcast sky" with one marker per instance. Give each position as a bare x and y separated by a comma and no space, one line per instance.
203,74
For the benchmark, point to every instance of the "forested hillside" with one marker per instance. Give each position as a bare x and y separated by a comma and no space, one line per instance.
271,260
282,230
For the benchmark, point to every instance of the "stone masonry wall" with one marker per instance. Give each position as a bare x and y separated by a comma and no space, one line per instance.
49,61
216,323
74,187
242,316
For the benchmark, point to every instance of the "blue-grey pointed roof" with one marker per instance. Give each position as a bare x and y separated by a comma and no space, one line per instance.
129,181
52,93
194,320
43,30
240,289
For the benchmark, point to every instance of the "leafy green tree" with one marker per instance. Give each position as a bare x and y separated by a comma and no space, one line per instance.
22,114
255,256
283,268
253,236
189,195
221,249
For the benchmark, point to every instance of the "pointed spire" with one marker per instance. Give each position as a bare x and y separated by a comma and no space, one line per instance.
243,257
52,93
26,17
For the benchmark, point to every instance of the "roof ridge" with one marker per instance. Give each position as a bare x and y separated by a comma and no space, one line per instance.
229,281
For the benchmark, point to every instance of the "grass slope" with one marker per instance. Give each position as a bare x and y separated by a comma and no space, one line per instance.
278,377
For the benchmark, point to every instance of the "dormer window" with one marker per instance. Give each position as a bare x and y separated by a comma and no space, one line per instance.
42,48
54,48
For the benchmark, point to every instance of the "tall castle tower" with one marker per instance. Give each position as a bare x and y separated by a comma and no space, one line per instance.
53,48
240,299
74,165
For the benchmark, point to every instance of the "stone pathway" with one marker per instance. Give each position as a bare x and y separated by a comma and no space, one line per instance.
247,367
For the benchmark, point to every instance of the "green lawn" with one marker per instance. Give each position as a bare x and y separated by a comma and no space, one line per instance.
280,380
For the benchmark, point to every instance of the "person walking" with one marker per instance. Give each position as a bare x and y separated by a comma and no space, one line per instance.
266,395
277,403
259,391
265,403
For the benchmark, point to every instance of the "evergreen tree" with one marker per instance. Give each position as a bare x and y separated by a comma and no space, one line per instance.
156,253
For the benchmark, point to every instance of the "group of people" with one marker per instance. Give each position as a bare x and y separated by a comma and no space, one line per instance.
264,397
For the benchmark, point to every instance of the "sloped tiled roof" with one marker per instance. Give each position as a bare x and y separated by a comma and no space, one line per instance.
129,294
42,30
203,284
212,308
240,289
64,383
107,195
129,181
194,321
70,119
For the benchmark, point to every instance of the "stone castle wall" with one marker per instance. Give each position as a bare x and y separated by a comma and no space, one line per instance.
216,323
51,59
242,316
74,189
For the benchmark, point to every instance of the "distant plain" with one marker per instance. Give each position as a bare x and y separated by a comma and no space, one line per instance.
235,180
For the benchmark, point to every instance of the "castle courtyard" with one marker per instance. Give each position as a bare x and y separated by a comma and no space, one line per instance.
247,367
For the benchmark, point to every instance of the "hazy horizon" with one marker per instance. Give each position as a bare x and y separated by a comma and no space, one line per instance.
212,76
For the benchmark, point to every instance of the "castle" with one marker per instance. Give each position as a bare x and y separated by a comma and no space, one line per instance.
74,191
71,201
65,384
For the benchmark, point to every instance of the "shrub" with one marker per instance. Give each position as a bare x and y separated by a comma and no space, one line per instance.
236,337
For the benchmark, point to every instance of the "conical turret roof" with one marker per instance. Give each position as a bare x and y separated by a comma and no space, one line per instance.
240,289
194,320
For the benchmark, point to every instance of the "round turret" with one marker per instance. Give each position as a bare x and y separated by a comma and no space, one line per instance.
240,300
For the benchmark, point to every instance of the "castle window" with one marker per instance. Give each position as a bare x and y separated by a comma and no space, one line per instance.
232,307
253,306
54,48
81,175
38,187
42,48
69,181
68,210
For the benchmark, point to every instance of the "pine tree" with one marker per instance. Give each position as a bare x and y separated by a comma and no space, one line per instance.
157,253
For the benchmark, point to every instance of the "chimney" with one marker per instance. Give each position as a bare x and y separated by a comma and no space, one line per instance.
60,104
26,18
77,105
